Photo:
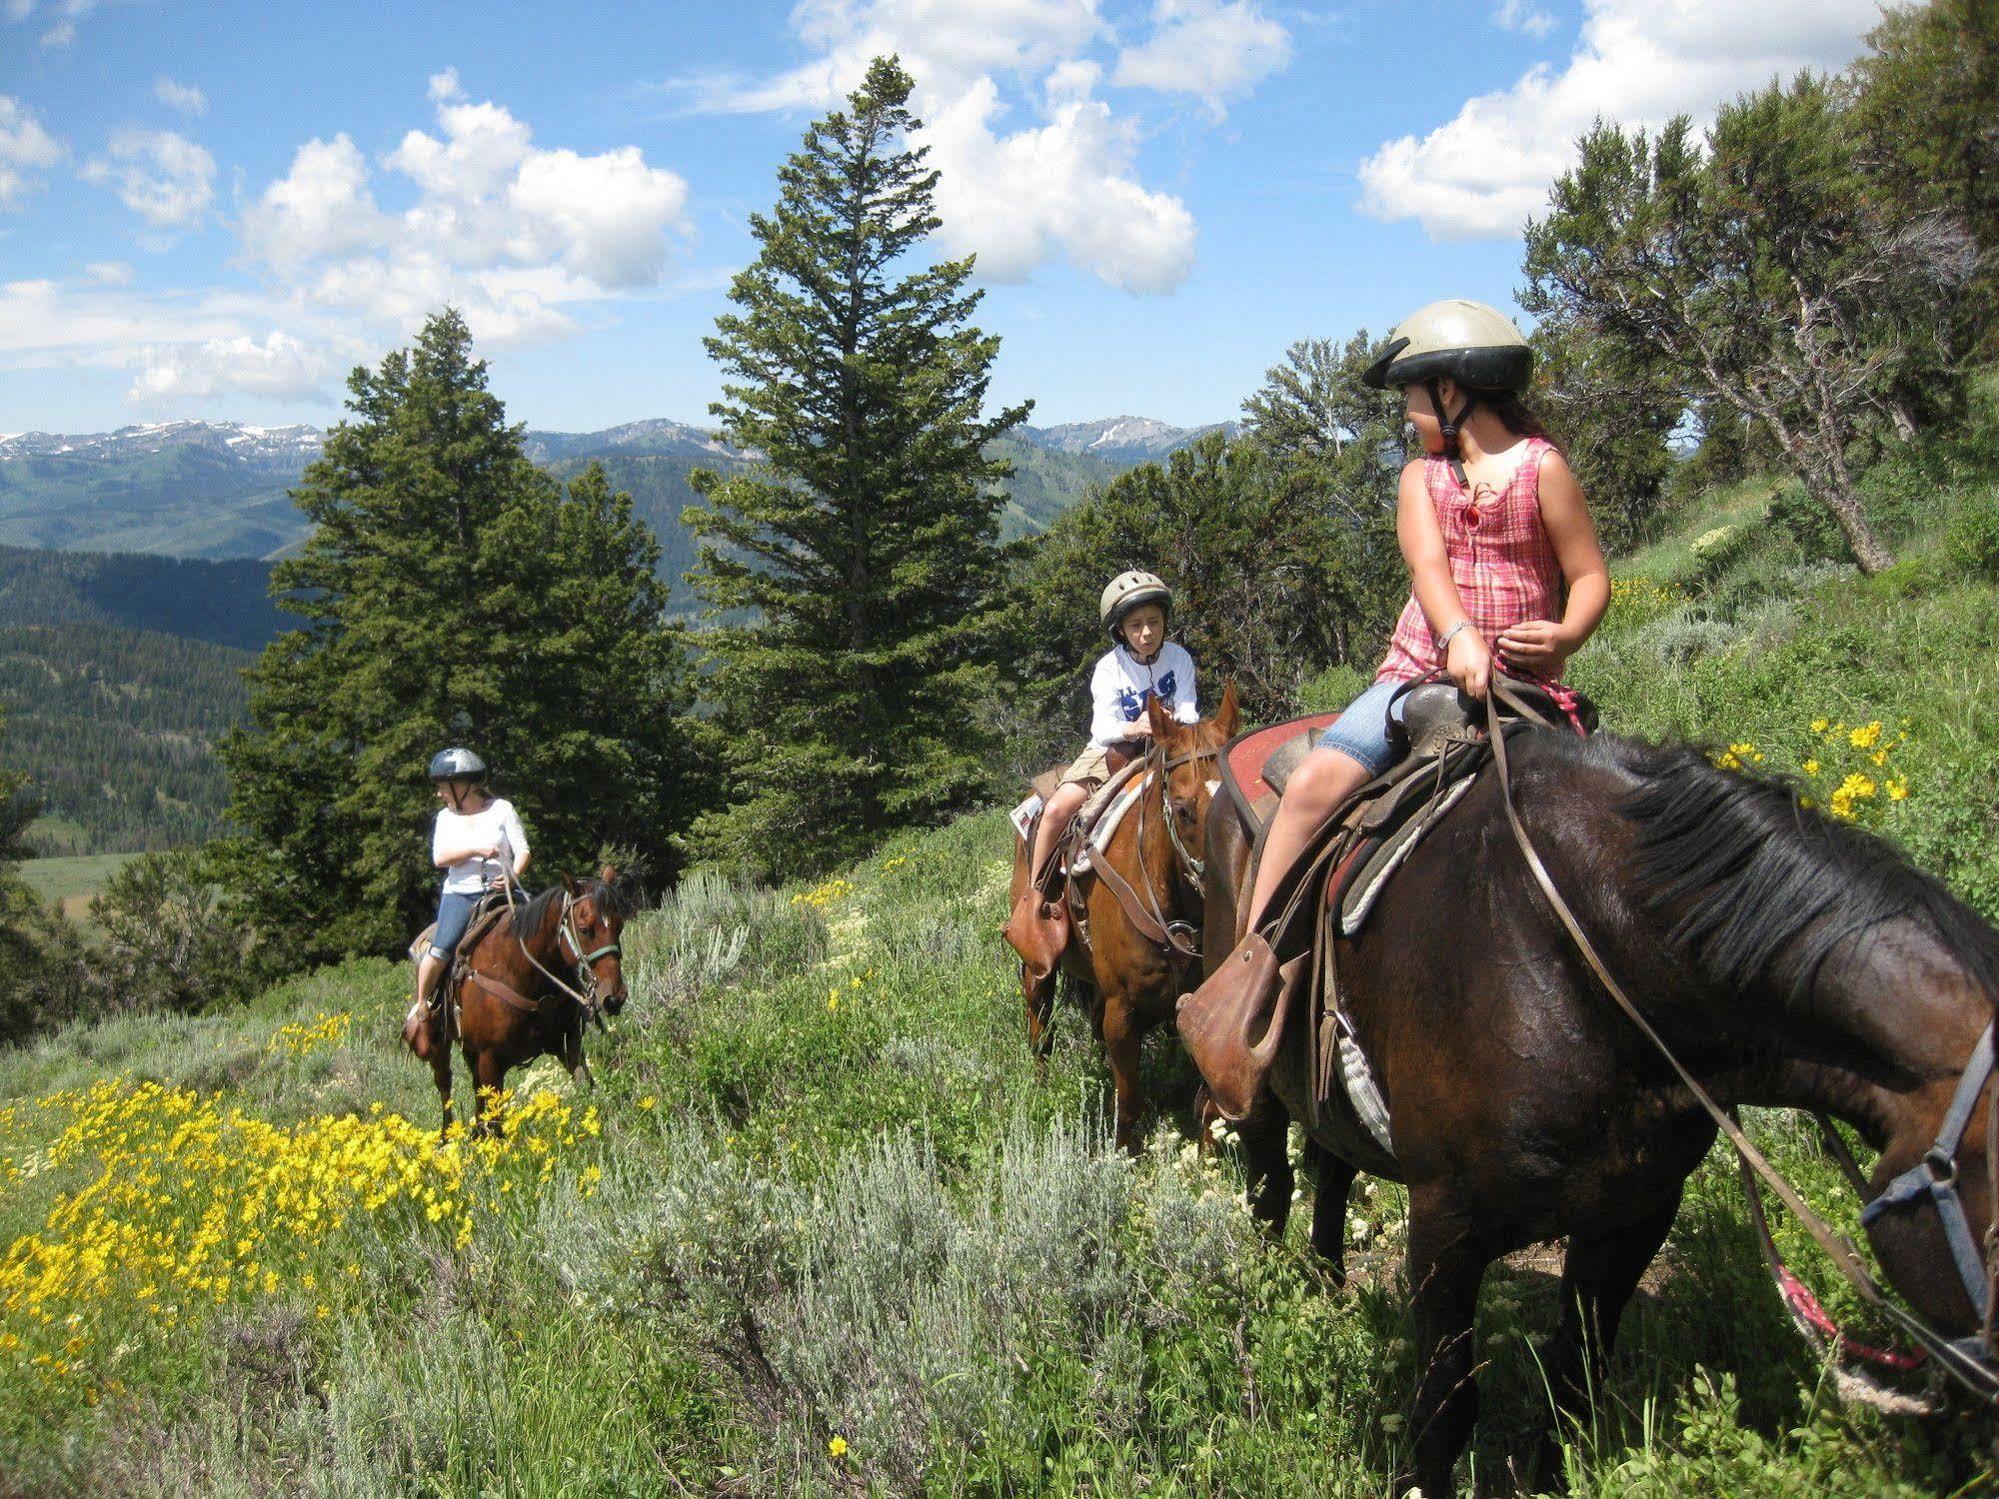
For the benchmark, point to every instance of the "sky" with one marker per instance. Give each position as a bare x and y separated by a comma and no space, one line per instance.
215,211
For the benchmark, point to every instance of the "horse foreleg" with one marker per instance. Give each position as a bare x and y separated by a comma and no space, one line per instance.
1446,1263
573,1060
440,1074
1119,1030
489,1079
1039,998
1599,1274
1329,1208
1268,1179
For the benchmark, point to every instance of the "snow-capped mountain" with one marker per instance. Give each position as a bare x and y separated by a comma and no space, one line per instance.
656,435
276,449
1121,439
220,489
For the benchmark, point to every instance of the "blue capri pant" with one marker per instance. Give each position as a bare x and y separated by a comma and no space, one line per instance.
454,914
1362,729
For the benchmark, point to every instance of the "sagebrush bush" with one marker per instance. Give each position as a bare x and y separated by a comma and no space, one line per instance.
1972,539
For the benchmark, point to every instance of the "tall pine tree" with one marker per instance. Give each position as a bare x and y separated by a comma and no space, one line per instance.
849,574
452,593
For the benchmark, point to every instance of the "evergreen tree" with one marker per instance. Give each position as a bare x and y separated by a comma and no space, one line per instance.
1315,408
1271,580
848,573
451,593
1923,111
1612,410
1761,272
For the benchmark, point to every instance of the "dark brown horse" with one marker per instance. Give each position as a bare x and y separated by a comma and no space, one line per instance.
532,981
1132,980
1789,961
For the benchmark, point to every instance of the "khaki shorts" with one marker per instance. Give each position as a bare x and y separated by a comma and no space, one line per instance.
1091,768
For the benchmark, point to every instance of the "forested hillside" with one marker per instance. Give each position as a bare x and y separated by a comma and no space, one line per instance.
221,602
116,730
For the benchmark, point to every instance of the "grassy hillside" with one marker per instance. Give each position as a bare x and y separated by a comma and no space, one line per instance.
74,880
821,1228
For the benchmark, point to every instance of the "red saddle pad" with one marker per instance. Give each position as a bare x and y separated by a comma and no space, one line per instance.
1248,754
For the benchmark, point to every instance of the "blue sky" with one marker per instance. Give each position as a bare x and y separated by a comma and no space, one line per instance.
214,211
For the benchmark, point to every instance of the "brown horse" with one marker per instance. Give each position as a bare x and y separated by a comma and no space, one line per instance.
1789,961
532,981
1131,980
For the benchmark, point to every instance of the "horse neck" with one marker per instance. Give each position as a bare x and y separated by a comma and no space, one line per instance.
1880,1040
1158,863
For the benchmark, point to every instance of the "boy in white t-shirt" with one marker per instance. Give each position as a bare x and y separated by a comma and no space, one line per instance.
1143,665
478,841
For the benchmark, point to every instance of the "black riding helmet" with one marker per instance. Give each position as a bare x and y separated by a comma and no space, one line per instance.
457,764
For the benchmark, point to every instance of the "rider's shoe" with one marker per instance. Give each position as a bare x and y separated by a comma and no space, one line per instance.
1038,930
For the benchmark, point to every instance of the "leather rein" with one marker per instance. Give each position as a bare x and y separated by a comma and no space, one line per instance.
1932,1182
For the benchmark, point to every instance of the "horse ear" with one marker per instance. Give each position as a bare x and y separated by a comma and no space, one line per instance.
1230,712
1160,719
608,874
569,882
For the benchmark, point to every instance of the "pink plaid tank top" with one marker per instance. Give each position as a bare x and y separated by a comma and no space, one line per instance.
1501,559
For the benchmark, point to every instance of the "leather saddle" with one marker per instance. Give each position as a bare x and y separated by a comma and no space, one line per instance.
1233,1026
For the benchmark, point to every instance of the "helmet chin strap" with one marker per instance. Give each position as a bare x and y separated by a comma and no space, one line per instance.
1449,425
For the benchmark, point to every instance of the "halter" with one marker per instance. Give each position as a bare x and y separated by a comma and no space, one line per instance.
1932,1181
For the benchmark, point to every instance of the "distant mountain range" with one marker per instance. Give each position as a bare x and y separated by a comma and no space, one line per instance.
217,489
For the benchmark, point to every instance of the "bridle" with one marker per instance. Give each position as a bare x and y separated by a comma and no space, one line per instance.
1194,870
581,962
1972,1361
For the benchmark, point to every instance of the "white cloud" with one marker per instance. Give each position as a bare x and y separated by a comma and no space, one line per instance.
280,367
1206,48
1524,16
24,147
511,232
1483,174
185,97
165,178
1063,188
62,34
322,207
1064,183
107,273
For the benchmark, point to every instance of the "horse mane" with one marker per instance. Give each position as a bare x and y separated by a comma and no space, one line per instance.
526,921
1761,880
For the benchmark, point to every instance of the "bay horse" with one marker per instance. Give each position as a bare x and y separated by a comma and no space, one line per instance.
1132,980
1789,961
512,1004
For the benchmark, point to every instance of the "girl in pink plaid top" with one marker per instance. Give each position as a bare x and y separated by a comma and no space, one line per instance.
1502,556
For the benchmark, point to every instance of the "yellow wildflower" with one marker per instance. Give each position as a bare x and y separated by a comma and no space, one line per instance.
1811,767
1865,736
837,1447
1898,789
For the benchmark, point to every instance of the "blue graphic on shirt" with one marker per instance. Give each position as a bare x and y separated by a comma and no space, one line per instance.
1132,704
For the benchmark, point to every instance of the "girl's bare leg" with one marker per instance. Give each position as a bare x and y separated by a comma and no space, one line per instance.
1319,785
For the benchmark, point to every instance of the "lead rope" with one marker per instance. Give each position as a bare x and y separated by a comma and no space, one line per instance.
1977,1378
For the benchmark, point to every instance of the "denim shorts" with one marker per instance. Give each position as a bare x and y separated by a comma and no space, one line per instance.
454,914
1362,729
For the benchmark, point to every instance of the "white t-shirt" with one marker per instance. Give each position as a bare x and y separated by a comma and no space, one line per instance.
499,826
1121,684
